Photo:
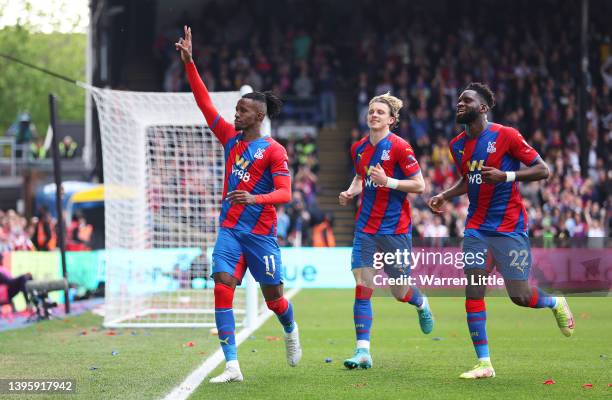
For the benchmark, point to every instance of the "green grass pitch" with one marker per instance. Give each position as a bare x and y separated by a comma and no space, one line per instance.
526,348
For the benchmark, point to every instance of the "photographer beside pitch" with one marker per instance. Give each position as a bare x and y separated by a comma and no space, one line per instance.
488,157
256,178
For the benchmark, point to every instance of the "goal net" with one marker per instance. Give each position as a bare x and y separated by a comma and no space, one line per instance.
163,175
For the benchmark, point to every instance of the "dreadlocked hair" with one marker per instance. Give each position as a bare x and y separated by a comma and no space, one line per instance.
272,102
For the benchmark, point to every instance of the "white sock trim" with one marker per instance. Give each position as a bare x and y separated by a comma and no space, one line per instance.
425,303
557,303
363,344
232,364
484,359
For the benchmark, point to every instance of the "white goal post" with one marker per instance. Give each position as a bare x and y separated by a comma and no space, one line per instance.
163,179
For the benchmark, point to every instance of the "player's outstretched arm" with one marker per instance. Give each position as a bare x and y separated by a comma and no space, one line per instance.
437,202
218,125
351,192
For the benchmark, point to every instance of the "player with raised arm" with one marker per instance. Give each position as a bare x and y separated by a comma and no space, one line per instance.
256,178
488,157
386,170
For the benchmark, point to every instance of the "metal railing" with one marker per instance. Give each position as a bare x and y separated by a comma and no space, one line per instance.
14,157
8,156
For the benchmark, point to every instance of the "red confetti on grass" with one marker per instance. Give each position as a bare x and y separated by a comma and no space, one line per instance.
549,382
588,386
189,344
83,333
111,333
272,338
94,329
609,384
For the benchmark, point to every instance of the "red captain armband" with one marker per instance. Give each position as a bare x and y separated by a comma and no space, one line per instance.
281,193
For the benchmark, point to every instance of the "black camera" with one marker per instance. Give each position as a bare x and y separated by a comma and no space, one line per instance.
38,296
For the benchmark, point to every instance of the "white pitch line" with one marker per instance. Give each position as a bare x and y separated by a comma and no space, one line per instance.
191,383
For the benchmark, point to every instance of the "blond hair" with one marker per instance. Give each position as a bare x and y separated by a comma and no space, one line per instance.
394,104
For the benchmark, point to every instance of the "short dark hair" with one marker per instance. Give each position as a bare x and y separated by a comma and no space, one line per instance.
272,102
483,91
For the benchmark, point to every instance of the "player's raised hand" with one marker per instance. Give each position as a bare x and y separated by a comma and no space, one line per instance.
493,175
378,175
184,45
436,203
345,197
240,197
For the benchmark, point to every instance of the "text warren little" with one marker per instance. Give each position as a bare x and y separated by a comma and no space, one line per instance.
431,280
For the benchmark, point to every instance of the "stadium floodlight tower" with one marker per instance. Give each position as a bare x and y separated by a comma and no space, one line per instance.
163,175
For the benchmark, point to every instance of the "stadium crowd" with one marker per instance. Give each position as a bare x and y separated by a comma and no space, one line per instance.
17,233
277,53
302,222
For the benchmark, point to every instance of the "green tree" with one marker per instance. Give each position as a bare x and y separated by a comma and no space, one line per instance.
25,89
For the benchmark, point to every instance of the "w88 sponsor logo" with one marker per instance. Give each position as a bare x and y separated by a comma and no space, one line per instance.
475,166
241,174
369,183
475,178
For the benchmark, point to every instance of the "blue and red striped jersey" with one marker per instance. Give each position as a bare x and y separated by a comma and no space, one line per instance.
493,207
384,211
251,166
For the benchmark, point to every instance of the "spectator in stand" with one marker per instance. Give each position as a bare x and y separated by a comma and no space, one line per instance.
327,96
282,226
305,182
300,221
306,149
302,86
323,234
67,147
23,129
38,150
14,233
78,234
44,237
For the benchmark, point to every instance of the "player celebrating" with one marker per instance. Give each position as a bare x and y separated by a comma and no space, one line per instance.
386,170
256,178
488,157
